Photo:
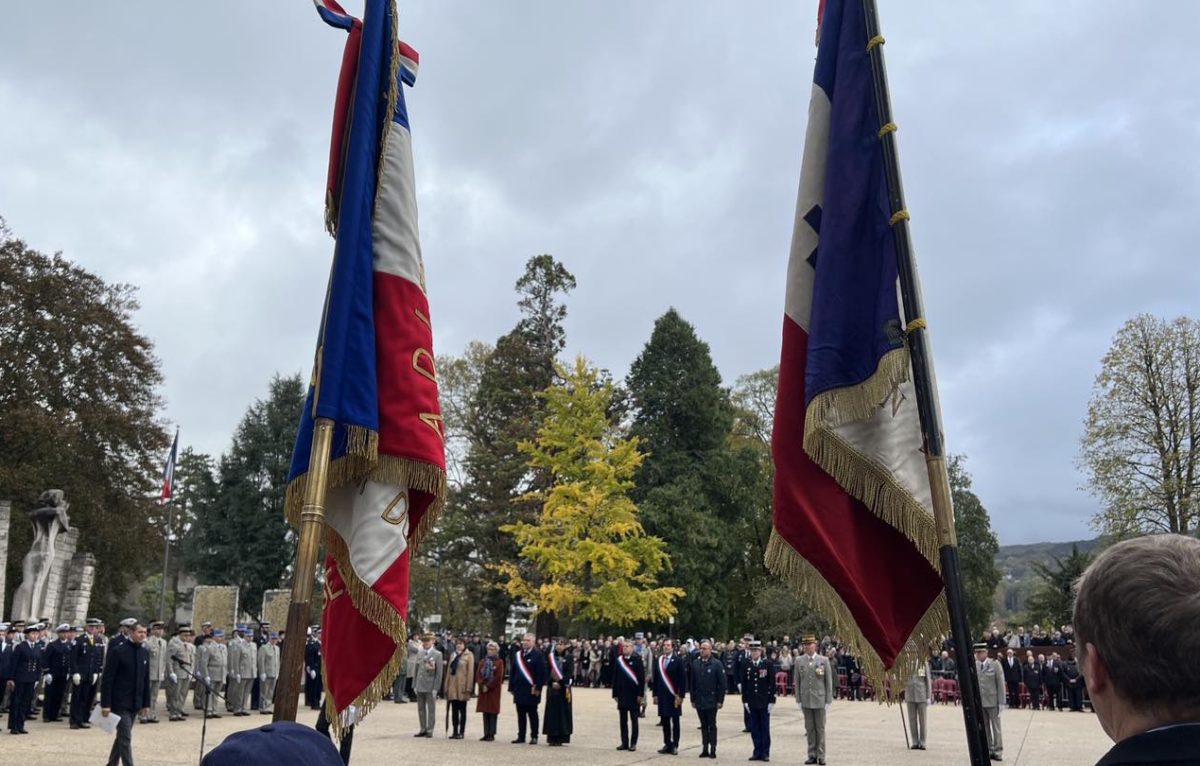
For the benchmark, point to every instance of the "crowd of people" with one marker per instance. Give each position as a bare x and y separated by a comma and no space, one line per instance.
61,678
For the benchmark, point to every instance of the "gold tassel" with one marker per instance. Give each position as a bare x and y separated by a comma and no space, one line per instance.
331,213
869,482
783,560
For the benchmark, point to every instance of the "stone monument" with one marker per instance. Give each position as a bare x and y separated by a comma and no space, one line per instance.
275,608
217,604
50,523
56,578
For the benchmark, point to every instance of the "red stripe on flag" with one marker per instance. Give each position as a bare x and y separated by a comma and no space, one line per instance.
885,582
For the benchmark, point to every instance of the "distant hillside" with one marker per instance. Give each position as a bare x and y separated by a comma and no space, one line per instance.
1017,577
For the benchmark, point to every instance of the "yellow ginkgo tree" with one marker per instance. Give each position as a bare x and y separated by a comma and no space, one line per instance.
587,555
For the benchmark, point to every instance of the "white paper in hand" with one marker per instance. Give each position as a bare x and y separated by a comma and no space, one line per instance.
107,723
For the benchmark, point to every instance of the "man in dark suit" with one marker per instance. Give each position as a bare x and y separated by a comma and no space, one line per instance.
1012,678
1052,680
1031,674
629,688
125,690
526,678
668,689
706,687
1136,594
8,642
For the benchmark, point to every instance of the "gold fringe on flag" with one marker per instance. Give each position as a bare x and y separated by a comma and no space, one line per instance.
815,590
871,483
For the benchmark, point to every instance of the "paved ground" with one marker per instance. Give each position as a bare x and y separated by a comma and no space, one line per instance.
860,733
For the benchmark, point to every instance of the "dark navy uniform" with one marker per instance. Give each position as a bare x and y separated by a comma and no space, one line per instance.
312,673
81,665
24,671
56,660
758,697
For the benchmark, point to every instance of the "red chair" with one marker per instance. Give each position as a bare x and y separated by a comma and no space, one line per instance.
781,683
951,691
1023,695
843,687
938,690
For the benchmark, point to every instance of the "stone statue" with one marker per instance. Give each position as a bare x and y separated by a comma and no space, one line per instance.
49,522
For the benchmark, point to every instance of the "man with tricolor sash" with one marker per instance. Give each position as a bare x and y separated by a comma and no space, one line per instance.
525,684
629,689
668,688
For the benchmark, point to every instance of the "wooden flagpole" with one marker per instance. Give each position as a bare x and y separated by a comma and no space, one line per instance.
312,524
927,402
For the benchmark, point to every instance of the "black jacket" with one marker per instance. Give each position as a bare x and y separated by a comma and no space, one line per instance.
624,690
125,685
1178,745
25,664
56,659
1013,673
758,684
706,683
1032,676
81,656
1052,675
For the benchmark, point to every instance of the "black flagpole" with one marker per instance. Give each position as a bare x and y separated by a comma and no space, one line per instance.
927,402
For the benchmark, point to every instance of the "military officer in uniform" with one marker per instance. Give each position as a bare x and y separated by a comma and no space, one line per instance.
156,650
243,669
312,669
214,668
82,676
56,667
198,694
268,674
181,658
668,687
758,700
24,671
814,695
427,683
916,700
7,644
991,698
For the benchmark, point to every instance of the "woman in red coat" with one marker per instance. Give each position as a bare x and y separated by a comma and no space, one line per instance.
489,678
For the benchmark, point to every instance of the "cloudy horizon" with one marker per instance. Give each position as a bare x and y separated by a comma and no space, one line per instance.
655,151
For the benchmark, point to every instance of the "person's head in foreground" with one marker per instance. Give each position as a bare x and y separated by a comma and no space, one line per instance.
275,744
1137,594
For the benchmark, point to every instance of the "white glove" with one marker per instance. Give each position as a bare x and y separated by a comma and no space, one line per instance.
47,679
208,680
827,708
237,677
770,706
174,678
95,678
262,676
312,674
746,705
75,679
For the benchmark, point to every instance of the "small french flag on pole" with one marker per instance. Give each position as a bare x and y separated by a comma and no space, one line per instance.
168,480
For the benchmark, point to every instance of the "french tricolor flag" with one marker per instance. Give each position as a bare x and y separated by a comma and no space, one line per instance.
374,374
853,521
168,478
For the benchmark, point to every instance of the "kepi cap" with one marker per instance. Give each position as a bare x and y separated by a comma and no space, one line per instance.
808,638
283,742
981,647
128,622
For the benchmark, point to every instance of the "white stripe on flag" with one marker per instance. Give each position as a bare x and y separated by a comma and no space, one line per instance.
397,243
373,522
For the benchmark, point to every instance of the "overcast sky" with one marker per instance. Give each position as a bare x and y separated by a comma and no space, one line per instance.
1049,153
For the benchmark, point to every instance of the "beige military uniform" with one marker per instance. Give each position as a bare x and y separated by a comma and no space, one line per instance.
157,648
178,675
917,692
991,697
268,675
215,667
813,678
